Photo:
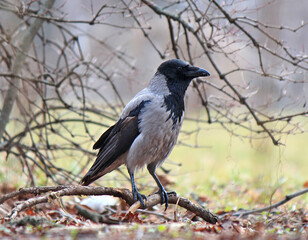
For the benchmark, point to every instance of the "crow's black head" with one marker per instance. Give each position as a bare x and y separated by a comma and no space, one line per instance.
177,69
179,74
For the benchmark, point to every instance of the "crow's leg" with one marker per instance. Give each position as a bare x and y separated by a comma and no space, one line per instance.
136,194
162,192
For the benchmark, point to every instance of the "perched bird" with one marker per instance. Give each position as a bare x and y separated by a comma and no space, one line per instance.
148,127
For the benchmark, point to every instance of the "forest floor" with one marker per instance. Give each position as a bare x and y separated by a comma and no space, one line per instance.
64,218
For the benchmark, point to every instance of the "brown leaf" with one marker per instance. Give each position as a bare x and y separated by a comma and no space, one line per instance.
203,198
131,217
207,227
30,212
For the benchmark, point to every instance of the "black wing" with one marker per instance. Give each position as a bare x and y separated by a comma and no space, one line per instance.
113,143
104,138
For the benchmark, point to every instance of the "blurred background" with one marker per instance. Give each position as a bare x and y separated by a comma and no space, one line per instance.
67,68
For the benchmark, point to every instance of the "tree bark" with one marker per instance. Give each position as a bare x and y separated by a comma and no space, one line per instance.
23,49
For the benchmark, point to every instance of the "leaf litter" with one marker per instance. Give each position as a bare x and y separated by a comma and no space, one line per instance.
64,219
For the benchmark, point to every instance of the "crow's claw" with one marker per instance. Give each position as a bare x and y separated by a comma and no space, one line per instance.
164,197
140,197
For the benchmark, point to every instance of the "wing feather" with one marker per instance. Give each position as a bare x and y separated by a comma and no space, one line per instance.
104,138
113,143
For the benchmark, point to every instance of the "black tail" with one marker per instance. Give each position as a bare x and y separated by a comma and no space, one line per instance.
86,180
89,178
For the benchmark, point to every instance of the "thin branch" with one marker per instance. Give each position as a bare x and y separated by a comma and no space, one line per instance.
272,206
146,35
174,45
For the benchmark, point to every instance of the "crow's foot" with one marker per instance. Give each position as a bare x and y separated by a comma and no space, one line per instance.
140,197
164,197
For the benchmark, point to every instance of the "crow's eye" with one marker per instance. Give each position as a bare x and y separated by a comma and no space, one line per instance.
183,68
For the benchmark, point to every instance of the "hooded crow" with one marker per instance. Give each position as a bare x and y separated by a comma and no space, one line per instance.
148,127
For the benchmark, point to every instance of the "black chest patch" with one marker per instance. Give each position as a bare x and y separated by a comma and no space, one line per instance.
174,104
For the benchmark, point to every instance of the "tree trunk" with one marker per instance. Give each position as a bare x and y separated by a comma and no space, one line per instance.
23,49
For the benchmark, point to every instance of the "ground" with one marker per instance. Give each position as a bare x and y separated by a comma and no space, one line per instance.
63,219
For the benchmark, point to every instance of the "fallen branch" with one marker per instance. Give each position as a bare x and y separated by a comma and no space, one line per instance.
95,217
173,198
143,211
31,190
70,191
123,193
269,208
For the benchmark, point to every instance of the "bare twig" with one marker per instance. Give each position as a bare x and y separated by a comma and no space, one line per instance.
272,206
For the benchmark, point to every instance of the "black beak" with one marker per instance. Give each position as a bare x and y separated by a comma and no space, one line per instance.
196,72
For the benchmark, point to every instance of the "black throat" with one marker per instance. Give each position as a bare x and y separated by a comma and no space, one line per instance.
175,100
